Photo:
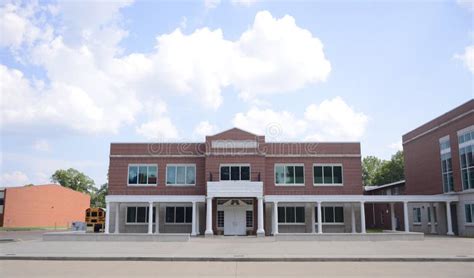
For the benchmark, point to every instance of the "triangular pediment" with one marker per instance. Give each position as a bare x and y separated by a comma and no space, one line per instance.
235,134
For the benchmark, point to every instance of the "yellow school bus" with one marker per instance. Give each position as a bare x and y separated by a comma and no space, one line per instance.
95,219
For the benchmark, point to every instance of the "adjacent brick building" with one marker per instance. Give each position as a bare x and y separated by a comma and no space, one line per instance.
49,205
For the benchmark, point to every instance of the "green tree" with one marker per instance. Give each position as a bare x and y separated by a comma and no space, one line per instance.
98,196
72,178
370,167
391,171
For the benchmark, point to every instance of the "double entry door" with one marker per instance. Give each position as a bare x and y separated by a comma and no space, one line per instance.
234,221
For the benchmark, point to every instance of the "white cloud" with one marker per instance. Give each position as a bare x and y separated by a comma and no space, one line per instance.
330,120
211,4
15,178
203,129
41,145
246,3
160,126
397,146
468,4
467,58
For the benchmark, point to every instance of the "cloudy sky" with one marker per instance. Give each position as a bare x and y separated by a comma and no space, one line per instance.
77,75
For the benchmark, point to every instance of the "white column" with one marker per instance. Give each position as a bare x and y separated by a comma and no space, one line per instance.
433,222
157,218
405,217
313,219
197,220
320,219
117,217
260,230
107,217
448,215
353,219
209,231
275,218
362,218
193,224
150,217
392,217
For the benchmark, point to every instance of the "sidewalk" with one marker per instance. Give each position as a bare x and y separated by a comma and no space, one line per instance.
246,249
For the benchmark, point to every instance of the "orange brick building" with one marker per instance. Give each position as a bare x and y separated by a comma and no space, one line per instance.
49,205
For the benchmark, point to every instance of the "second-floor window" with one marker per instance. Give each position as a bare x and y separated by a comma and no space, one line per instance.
466,149
327,174
288,174
235,172
446,164
181,174
142,174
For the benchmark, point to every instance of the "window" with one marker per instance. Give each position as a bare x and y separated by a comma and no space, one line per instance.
179,215
466,148
416,215
429,215
446,164
235,173
180,174
220,219
327,174
249,218
291,215
330,214
289,174
469,211
142,174
138,215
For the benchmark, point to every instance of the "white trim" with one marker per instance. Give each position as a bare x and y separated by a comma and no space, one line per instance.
375,187
438,126
240,165
362,198
138,179
465,130
234,144
332,173
154,155
285,165
155,198
314,155
186,165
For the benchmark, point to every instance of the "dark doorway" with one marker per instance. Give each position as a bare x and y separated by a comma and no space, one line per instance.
454,218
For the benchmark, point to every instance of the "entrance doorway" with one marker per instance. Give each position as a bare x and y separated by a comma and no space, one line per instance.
234,216
234,221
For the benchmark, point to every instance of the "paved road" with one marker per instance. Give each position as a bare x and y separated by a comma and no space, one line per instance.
230,269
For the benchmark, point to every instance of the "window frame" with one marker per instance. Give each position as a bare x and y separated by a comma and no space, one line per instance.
147,165
287,165
323,215
417,209
240,165
462,145
332,165
186,165
177,223
292,223
147,208
471,206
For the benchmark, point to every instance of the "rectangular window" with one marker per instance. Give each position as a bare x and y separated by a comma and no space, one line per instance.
417,215
180,174
446,164
179,215
249,218
290,214
139,215
469,212
142,174
220,219
434,213
330,214
289,174
466,149
235,173
327,174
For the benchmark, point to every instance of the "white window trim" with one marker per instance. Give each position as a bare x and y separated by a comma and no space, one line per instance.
185,174
284,165
293,223
141,184
240,172
136,212
460,146
332,165
174,223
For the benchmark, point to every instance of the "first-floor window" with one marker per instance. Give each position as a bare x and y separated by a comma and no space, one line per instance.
142,174
249,218
330,214
469,208
139,214
291,215
179,215
220,218
416,215
434,214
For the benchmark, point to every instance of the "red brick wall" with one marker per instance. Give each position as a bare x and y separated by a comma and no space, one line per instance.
422,155
44,206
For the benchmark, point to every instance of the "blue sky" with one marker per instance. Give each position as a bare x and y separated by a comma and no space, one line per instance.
77,76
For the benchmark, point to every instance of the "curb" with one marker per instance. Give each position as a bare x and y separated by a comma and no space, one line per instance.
238,259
